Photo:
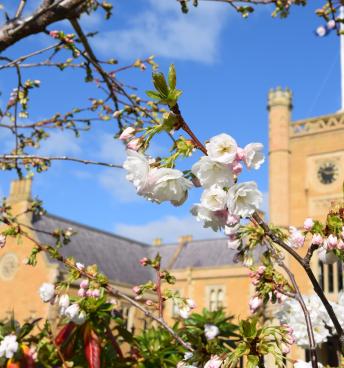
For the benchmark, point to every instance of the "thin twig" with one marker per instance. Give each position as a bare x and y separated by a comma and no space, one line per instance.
57,158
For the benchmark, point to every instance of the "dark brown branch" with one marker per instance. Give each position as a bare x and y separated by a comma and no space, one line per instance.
15,30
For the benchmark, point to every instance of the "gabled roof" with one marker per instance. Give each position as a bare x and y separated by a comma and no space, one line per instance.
118,257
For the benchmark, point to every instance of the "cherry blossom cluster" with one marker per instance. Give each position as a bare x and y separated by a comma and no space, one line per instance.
224,201
157,184
322,31
269,285
323,328
329,238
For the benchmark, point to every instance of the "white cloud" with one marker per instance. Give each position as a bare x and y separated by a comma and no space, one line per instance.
169,228
60,143
110,149
163,30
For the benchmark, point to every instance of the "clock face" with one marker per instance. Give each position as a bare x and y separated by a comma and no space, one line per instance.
328,173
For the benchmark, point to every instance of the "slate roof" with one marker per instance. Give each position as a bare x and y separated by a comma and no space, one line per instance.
117,257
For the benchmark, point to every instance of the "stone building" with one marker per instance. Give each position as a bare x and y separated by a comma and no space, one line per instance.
306,173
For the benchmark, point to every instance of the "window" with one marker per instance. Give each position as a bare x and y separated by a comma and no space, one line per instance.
330,277
215,297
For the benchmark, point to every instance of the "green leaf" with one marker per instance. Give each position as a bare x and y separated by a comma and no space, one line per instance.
153,94
172,78
160,84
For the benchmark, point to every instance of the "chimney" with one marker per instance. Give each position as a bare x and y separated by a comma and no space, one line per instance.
184,239
20,191
157,242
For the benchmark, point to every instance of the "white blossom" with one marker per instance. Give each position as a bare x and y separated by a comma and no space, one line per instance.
214,362
302,364
222,148
2,240
76,315
211,331
296,239
244,199
169,185
8,346
214,198
254,155
210,172
63,303
47,292
137,166
216,220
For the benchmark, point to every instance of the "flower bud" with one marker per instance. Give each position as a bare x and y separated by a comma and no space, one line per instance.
308,224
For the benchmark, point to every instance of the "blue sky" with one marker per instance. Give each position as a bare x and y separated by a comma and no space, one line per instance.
225,66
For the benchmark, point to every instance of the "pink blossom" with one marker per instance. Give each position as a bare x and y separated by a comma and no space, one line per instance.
331,242
236,167
95,293
149,302
255,303
84,284
81,292
285,348
340,244
127,133
240,155
308,224
134,144
296,238
317,239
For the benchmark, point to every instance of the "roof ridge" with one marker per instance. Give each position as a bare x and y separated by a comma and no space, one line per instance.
192,241
94,229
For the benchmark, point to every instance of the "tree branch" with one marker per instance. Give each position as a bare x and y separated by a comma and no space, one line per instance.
17,29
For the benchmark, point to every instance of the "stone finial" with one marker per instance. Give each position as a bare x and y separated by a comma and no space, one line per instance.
20,191
280,97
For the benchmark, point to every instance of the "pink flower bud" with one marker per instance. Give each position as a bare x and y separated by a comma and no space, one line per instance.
236,167
240,155
191,303
136,289
81,292
117,114
340,244
255,303
331,24
331,242
89,293
144,261
308,224
285,348
149,303
96,293
54,34
317,239
134,144
127,133
261,270
84,284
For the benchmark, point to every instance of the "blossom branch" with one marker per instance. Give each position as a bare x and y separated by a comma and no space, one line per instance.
52,252
25,158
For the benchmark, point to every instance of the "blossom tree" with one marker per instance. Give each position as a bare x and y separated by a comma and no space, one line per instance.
226,205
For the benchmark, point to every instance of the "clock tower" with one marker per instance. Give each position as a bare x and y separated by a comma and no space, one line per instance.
306,162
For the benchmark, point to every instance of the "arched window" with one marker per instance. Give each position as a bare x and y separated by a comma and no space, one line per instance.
215,297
